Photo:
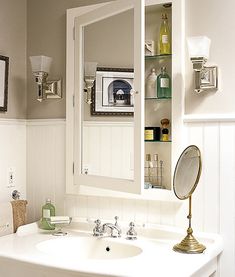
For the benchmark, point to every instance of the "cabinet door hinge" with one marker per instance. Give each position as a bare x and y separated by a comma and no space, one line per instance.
73,100
73,168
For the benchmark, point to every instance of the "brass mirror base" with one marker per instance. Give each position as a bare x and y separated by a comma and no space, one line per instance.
189,244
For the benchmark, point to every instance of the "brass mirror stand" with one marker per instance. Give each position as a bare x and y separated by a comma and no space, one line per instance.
189,244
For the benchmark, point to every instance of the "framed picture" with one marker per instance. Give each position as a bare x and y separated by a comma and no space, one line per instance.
112,93
4,68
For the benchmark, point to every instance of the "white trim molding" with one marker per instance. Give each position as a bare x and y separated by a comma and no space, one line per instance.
12,121
51,121
190,118
28,122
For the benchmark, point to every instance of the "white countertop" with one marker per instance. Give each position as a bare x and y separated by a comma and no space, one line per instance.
157,257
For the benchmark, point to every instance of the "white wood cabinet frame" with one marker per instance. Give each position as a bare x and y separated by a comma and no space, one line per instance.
90,14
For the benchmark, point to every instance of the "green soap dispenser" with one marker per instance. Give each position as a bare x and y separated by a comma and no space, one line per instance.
48,210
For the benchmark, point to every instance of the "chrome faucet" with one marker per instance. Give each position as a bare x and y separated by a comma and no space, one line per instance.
101,230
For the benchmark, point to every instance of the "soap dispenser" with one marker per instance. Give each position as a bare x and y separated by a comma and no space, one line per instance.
48,210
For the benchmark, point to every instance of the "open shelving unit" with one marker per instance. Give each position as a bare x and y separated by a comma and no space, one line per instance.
158,108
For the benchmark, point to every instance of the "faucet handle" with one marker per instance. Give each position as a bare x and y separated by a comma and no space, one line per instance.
97,222
116,220
132,224
97,231
116,223
131,233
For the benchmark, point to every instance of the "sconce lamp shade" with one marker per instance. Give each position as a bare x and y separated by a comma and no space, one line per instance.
40,63
90,69
199,46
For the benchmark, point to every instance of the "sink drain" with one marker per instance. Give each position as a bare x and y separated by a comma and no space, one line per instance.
107,248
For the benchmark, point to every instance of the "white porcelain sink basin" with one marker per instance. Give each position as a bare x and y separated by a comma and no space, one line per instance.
33,252
88,248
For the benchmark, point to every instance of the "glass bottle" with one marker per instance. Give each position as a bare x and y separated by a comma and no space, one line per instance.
163,84
150,89
161,174
48,210
155,167
148,171
164,36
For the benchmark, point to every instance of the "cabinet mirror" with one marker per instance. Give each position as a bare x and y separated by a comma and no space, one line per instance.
107,109
104,99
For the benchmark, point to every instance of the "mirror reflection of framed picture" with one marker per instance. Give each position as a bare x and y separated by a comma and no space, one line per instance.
4,68
112,93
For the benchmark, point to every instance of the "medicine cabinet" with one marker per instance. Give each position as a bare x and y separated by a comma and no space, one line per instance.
105,141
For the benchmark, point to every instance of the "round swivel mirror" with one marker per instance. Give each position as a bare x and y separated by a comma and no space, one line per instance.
186,177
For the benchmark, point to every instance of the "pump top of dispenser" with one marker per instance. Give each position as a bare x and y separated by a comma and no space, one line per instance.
48,200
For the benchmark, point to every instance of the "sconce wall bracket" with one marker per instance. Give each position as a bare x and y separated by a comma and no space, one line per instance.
53,89
206,77
47,89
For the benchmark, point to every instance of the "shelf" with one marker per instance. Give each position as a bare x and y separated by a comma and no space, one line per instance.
162,56
158,141
158,98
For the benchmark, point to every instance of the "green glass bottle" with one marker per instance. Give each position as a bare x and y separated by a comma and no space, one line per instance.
48,210
163,84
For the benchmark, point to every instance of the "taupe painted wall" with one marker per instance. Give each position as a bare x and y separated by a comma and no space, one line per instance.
46,34
110,42
215,19
32,27
13,21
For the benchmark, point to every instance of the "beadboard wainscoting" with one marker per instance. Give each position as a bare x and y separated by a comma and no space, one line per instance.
213,201
108,149
45,165
13,157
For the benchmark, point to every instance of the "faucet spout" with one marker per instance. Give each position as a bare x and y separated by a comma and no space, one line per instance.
100,230
115,229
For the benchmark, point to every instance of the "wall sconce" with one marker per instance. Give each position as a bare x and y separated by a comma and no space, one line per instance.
89,78
206,77
46,89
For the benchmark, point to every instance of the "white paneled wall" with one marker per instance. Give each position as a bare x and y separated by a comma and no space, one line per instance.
45,165
108,149
12,155
213,200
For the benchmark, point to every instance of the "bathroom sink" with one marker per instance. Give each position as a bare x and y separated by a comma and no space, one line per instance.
88,248
33,252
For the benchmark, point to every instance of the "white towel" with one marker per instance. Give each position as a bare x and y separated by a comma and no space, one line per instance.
6,219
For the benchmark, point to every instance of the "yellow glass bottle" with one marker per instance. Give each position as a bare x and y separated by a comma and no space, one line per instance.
164,37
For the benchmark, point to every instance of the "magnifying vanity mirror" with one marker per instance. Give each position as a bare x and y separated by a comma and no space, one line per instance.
186,177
